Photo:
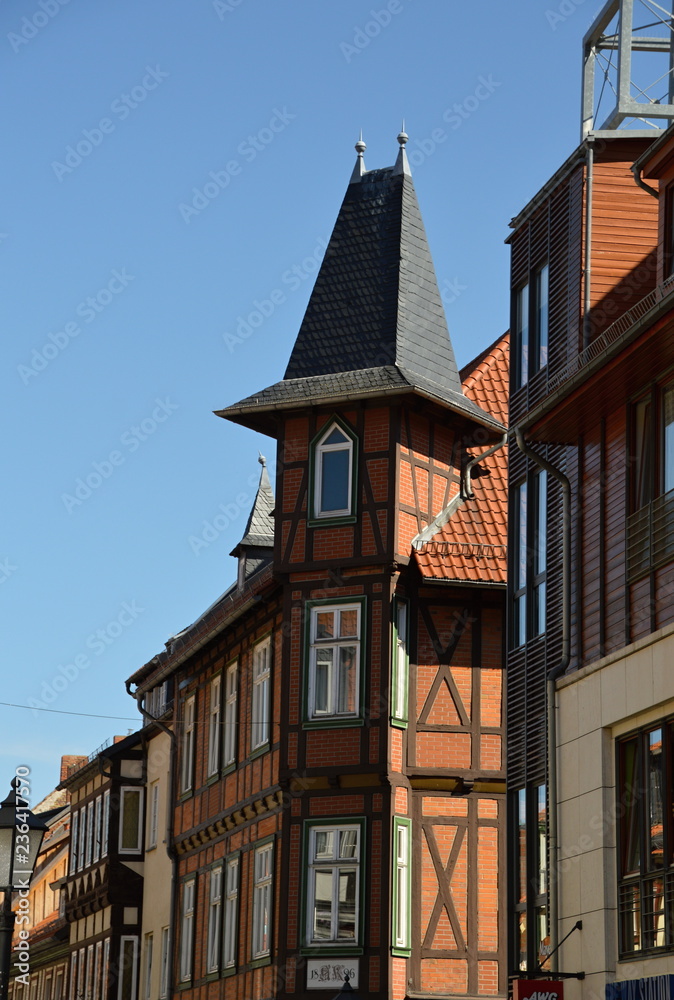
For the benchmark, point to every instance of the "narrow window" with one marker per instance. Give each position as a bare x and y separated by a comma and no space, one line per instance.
98,971
400,663
231,913
214,920
520,567
214,727
262,900
90,835
542,314
98,813
81,966
540,551
261,673
334,859
187,931
187,760
333,473
153,826
130,827
231,687
334,675
74,841
165,958
106,967
73,976
643,453
522,334
402,885
128,960
149,944
83,839
106,823
668,439
90,972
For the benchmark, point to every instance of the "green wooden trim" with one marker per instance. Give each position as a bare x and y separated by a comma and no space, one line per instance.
405,952
313,520
257,963
337,947
229,769
402,720
333,721
258,751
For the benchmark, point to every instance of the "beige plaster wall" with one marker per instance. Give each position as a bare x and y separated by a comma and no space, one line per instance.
595,705
157,866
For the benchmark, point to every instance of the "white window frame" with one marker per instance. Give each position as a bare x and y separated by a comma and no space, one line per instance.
105,840
334,643
214,716
231,913
74,832
214,936
80,973
98,966
320,449
337,865
89,850
259,733
89,977
73,975
187,911
133,940
123,792
400,686
165,959
149,948
263,876
153,817
82,846
231,710
402,887
187,745
98,820
106,968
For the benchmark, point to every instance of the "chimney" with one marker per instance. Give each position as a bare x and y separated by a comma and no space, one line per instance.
69,763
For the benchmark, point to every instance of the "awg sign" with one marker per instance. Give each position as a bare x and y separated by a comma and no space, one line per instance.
538,989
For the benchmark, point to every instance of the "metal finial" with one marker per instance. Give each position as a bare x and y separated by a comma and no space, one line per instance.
261,459
402,135
360,145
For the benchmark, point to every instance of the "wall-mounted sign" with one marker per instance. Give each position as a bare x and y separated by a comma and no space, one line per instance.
538,989
328,974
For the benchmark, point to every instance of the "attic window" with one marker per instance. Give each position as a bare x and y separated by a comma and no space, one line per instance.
333,473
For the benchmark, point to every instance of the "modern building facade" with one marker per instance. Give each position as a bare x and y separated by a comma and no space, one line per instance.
591,609
337,771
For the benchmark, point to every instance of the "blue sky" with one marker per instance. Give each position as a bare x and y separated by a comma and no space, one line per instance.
172,172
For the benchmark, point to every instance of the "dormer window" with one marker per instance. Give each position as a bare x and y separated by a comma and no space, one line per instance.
333,477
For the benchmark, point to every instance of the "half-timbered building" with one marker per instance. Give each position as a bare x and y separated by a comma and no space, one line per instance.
338,766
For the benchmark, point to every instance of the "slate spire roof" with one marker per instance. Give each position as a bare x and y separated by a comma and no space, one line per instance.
375,322
259,531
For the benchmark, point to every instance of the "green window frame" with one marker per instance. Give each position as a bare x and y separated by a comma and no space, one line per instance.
263,901
333,453
334,645
334,855
230,922
400,666
401,931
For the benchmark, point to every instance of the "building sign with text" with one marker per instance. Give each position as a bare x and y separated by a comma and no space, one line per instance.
538,989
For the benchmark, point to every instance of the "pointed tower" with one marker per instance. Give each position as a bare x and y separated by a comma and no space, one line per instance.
256,548
389,667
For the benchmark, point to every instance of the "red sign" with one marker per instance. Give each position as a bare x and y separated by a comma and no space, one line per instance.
538,989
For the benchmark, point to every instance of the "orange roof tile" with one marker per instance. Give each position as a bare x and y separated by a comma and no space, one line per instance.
470,547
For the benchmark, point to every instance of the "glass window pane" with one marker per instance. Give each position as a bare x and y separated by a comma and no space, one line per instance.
324,844
325,624
348,623
323,905
323,675
335,480
668,419
522,326
630,796
335,437
346,924
346,695
522,841
643,491
348,843
655,849
130,819
542,840
521,526
542,280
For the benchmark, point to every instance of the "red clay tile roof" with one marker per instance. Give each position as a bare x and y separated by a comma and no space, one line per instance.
471,546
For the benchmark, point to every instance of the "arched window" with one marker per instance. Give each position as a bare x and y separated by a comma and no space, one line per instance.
333,473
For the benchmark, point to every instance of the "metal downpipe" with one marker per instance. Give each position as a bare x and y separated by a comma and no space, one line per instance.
552,676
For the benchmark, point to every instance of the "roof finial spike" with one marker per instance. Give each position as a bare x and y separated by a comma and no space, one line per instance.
261,459
402,165
359,168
